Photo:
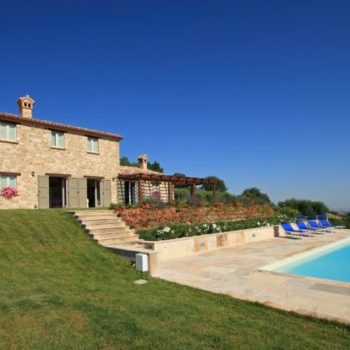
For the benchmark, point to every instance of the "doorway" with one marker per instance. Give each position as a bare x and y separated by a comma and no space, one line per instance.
94,193
129,193
57,192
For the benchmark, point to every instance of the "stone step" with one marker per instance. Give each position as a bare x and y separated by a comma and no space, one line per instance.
90,213
106,227
102,222
114,235
109,230
117,241
97,217
92,227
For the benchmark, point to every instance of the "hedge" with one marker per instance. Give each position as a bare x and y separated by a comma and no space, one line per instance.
188,230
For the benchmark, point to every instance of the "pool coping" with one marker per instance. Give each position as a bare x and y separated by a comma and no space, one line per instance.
305,256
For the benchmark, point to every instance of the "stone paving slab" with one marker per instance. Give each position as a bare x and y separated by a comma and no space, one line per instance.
235,271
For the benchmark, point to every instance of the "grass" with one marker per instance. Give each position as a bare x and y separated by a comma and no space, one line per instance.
60,290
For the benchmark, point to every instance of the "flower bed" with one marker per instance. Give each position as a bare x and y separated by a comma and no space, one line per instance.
186,230
147,216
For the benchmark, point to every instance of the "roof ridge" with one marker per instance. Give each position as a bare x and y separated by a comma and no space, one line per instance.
65,127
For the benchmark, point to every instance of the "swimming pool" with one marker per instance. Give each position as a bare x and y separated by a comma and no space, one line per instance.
330,262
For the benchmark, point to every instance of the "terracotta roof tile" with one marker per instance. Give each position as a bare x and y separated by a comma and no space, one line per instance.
58,126
128,170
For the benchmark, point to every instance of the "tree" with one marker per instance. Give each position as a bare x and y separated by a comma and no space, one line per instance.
151,166
126,162
304,206
220,185
180,175
155,166
256,195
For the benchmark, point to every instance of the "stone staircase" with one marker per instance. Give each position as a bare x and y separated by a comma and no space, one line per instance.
106,228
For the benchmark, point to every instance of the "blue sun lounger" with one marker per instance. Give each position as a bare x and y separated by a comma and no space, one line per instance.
302,226
325,224
313,225
290,230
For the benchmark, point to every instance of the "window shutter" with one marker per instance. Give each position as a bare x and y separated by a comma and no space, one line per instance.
82,193
3,182
43,192
53,139
3,131
13,181
12,132
73,193
107,187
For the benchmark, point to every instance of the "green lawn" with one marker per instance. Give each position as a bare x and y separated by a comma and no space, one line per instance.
60,290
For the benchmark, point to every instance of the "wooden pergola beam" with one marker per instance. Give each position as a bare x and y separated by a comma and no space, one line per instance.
171,180
175,180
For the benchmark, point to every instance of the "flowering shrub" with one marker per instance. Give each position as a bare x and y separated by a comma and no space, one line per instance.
9,192
186,230
156,194
147,215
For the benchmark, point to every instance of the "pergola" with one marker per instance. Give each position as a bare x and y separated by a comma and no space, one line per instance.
192,182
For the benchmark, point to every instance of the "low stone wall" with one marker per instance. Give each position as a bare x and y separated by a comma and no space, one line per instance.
175,248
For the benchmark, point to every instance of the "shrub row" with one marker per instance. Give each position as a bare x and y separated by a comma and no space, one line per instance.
187,230
147,216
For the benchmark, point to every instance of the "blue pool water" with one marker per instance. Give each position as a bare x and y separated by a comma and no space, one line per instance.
332,265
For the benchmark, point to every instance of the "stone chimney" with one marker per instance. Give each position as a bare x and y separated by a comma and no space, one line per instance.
143,159
25,105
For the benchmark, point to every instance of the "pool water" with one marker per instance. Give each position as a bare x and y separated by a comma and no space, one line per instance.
332,265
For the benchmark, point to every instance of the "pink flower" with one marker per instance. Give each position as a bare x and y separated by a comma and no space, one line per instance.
9,192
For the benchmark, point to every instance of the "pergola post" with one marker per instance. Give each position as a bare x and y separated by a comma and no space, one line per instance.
170,190
214,191
193,190
140,190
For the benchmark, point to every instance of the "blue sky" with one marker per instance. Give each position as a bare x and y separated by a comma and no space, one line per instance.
255,92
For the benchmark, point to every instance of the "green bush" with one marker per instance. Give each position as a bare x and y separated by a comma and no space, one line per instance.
341,222
186,230
202,198
256,195
304,206
288,212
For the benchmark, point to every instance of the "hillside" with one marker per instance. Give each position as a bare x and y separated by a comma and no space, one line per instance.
60,290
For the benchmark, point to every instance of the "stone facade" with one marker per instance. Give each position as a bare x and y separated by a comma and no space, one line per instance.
32,156
67,176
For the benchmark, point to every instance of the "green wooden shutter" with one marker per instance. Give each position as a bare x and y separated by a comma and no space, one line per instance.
83,193
43,192
73,192
77,192
107,188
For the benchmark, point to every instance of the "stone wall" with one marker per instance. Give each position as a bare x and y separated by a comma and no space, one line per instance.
175,248
33,153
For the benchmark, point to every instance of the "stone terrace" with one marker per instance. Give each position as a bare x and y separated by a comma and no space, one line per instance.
235,271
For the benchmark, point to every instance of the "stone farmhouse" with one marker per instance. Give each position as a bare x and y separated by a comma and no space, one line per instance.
53,165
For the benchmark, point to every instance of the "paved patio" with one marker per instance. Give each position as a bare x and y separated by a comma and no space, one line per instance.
235,271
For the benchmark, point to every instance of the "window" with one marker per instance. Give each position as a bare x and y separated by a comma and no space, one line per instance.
57,139
92,145
7,131
7,181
